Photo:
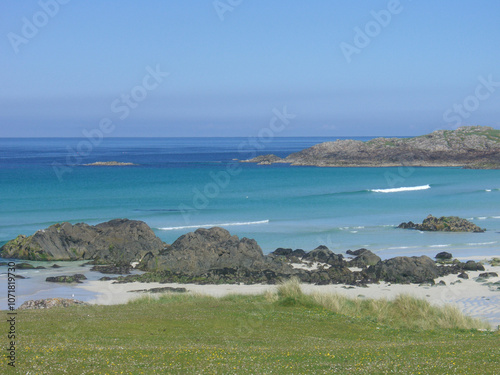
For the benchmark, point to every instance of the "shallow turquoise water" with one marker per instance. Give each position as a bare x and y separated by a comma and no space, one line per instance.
181,184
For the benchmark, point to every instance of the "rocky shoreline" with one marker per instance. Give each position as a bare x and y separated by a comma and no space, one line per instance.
472,147
214,256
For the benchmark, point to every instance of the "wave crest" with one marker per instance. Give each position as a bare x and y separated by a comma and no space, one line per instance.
216,225
397,190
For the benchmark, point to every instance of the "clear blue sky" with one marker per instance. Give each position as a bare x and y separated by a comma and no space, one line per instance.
226,76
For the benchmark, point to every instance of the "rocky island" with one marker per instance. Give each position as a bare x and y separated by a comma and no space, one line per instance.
476,147
443,224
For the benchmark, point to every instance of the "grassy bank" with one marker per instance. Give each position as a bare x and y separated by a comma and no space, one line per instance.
282,333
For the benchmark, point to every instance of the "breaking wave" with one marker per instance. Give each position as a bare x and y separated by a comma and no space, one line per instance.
216,225
397,190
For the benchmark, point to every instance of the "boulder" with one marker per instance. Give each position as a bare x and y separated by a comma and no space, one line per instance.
463,275
443,255
323,254
443,224
487,275
405,270
364,259
119,241
472,266
76,278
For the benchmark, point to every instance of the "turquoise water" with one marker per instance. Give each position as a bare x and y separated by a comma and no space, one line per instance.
180,184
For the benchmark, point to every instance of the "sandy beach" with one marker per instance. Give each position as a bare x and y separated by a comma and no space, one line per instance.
475,298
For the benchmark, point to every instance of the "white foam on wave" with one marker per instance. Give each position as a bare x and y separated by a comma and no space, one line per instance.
447,245
488,190
482,218
401,189
495,217
402,247
216,225
482,243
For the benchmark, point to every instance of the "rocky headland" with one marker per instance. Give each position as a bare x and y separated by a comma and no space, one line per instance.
443,224
475,147
214,256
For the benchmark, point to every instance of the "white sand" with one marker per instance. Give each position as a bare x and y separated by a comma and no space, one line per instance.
472,297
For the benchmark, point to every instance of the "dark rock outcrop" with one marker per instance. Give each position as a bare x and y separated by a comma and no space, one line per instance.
25,266
463,275
323,254
112,269
406,270
470,265
50,303
76,278
487,275
443,224
118,241
443,255
470,146
205,250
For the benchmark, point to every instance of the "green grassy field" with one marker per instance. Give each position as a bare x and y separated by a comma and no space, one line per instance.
285,333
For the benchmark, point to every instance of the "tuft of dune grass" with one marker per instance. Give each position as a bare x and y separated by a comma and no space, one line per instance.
403,311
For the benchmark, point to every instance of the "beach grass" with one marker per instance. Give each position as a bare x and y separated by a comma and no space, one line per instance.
283,332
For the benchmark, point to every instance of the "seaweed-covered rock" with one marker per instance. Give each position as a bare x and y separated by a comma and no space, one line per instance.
443,224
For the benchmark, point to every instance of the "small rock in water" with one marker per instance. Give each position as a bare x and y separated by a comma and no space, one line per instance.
25,266
66,279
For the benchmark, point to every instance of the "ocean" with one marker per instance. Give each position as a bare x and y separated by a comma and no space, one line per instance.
180,184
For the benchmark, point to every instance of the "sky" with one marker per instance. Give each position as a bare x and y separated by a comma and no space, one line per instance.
165,68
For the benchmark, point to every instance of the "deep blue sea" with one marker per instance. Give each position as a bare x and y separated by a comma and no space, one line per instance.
179,184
